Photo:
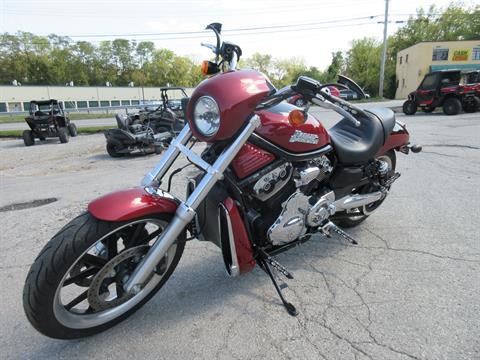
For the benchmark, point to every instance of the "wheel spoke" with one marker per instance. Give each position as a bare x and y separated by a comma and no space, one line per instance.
136,233
112,246
94,260
77,300
152,235
80,276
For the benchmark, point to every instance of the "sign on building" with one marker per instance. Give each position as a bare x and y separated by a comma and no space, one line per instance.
460,55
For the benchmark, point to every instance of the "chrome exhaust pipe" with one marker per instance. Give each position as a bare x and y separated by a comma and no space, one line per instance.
357,200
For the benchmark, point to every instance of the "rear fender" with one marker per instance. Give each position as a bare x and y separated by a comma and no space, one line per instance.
131,204
398,138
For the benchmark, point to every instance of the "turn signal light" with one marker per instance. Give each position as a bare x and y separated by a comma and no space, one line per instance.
209,68
296,117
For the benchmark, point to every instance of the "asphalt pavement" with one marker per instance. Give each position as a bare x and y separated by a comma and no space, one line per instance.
409,290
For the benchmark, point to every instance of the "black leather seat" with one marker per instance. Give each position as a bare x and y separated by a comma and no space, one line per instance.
355,145
386,117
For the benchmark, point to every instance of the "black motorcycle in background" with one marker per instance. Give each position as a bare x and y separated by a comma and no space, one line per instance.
150,130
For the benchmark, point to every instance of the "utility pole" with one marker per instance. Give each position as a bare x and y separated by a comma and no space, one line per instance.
384,52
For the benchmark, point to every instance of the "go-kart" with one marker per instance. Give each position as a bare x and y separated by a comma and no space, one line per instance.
46,119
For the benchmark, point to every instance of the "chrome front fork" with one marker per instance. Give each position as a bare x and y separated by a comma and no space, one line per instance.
186,210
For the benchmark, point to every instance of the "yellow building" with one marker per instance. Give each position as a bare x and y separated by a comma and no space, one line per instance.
420,59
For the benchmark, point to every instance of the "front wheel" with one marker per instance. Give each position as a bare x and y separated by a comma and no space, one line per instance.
359,215
28,137
75,286
63,135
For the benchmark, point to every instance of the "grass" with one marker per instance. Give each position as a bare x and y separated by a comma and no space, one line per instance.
80,130
73,116
372,99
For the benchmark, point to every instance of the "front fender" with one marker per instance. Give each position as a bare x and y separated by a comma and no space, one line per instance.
132,203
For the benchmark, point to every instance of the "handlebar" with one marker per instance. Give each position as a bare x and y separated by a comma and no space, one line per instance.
320,100
310,89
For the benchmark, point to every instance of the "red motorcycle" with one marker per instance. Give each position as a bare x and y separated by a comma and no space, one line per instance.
270,177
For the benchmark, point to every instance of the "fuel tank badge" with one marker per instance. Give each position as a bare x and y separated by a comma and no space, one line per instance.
300,136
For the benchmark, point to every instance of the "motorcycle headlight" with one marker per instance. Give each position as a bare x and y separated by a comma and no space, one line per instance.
206,116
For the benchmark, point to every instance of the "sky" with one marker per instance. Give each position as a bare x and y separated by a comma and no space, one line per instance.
308,29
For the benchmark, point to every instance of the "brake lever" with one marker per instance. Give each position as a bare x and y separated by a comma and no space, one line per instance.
210,46
321,101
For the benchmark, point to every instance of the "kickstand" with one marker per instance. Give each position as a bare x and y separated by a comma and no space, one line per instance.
288,306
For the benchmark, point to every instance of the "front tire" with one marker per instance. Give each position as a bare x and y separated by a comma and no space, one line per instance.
63,135
28,137
94,255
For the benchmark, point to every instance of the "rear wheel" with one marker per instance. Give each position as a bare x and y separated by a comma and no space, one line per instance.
409,107
472,104
359,215
113,150
72,129
75,286
63,135
452,106
28,137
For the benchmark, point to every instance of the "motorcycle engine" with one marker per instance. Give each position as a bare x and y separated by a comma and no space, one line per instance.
303,208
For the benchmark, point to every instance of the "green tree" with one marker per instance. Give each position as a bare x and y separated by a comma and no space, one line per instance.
363,63
336,67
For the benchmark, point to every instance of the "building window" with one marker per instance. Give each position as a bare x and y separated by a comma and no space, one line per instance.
115,103
401,59
406,58
440,55
135,102
125,102
476,53
104,103
403,83
3,107
82,104
69,104
93,104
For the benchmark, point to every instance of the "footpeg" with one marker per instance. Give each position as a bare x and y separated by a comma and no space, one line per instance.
391,180
330,227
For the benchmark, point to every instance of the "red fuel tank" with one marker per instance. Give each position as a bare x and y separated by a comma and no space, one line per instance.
277,129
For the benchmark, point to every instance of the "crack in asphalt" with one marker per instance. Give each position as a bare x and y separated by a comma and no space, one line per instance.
460,146
440,154
366,327
387,246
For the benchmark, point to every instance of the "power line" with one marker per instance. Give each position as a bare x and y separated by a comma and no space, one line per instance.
209,35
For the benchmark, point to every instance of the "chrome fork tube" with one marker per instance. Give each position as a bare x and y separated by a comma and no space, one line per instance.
168,157
186,210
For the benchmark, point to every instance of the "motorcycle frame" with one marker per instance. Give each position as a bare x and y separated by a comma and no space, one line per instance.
186,210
